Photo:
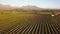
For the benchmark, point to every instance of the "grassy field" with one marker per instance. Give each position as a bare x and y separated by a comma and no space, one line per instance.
7,20
26,23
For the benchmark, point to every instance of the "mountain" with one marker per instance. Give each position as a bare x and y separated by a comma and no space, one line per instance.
6,7
24,8
29,8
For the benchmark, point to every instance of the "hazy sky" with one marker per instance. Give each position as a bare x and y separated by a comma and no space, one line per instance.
40,3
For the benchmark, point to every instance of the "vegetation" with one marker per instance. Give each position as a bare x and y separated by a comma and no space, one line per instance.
29,23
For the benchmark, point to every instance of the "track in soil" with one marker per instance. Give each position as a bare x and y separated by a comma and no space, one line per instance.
43,24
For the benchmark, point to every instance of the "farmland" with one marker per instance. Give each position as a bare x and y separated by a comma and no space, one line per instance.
26,23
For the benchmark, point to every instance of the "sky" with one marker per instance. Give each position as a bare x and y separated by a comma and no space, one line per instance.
52,4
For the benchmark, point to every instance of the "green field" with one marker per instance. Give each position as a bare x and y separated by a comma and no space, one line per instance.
29,23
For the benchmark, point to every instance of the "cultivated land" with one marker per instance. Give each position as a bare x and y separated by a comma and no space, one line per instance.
29,23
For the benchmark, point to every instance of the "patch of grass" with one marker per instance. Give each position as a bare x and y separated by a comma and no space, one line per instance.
7,20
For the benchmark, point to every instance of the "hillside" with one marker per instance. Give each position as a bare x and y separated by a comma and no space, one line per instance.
25,8
6,7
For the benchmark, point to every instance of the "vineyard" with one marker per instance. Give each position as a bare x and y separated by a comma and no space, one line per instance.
29,24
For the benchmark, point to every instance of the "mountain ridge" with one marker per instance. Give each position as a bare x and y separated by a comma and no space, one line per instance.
8,7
